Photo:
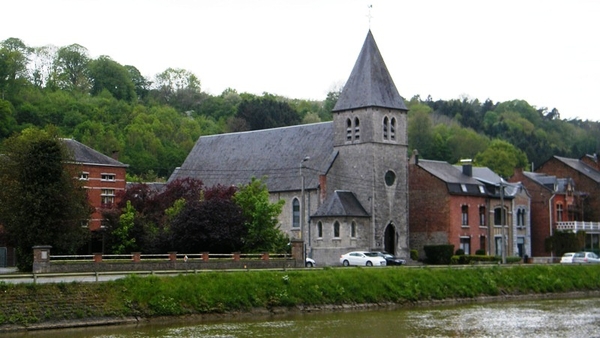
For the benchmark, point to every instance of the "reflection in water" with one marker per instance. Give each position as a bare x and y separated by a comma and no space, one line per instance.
543,318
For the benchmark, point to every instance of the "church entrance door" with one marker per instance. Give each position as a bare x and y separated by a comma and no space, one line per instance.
389,243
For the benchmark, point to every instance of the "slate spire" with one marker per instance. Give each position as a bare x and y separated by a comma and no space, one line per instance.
370,83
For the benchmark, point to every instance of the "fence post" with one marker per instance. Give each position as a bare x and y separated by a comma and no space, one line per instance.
205,256
97,257
173,256
265,256
136,256
236,256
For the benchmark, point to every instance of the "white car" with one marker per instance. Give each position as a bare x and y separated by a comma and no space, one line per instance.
586,257
362,258
310,262
567,257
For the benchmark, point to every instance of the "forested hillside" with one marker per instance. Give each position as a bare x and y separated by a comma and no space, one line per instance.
153,122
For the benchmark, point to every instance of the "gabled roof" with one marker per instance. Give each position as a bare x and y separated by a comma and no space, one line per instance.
277,154
456,181
85,155
341,204
581,167
370,83
550,182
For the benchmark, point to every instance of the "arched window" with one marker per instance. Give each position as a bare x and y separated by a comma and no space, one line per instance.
295,213
319,229
393,129
336,229
385,128
348,130
353,230
356,128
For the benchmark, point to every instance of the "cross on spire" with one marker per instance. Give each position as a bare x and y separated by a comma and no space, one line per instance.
369,15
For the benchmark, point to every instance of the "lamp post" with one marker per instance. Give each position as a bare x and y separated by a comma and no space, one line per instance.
502,219
302,209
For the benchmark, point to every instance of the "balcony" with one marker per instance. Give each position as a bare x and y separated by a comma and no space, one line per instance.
589,227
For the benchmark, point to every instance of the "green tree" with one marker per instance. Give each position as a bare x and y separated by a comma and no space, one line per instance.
420,133
40,201
502,158
124,242
13,65
261,215
109,75
71,68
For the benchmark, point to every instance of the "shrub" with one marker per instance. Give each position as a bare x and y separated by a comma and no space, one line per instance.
439,254
460,252
414,255
480,252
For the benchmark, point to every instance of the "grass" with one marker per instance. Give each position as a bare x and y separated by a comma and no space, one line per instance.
219,292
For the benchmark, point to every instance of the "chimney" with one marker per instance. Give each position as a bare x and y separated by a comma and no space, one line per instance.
416,157
115,155
467,167
323,187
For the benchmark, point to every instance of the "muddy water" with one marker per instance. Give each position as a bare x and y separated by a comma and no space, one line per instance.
539,318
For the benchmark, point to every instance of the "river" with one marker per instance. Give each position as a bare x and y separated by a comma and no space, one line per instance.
536,318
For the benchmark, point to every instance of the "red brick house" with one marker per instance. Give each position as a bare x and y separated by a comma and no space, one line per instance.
103,177
446,207
584,214
554,201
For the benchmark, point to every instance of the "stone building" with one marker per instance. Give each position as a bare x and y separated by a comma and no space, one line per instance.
344,182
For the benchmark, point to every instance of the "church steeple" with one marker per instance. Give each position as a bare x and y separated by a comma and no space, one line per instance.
370,83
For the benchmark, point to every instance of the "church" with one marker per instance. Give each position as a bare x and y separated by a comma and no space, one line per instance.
344,182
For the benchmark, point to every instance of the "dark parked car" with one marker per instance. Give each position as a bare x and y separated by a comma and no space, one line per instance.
391,259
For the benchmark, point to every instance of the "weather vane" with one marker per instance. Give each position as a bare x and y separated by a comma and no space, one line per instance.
370,16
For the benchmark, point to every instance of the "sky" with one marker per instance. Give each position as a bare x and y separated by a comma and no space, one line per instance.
546,52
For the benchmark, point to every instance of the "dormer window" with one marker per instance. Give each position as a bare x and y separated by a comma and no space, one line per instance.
481,189
463,187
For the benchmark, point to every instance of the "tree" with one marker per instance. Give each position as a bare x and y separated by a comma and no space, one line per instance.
266,112
13,64
502,158
261,218
40,201
71,66
109,75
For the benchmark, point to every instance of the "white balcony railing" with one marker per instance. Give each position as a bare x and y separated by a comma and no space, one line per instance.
589,227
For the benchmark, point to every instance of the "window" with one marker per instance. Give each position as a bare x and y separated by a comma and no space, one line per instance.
107,196
463,187
84,176
465,215
465,245
482,243
319,229
295,213
482,215
481,189
348,130
393,129
353,230
356,128
390,178
108,177
385,128
336,229
499,216
559,212
521,217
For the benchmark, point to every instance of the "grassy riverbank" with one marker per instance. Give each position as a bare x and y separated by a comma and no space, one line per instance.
218,292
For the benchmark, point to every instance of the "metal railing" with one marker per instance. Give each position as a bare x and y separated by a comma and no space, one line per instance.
575,226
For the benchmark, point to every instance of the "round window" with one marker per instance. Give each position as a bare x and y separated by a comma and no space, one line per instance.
390,178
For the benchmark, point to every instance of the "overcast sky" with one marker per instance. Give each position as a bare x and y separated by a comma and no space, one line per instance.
546,52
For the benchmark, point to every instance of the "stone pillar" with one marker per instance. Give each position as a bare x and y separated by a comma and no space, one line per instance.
236,256
97,257
137,256
205,256
298,252
265,256
41,258
173,256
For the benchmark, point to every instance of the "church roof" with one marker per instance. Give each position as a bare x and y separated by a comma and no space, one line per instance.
341,203
86,155
273,154
370,83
